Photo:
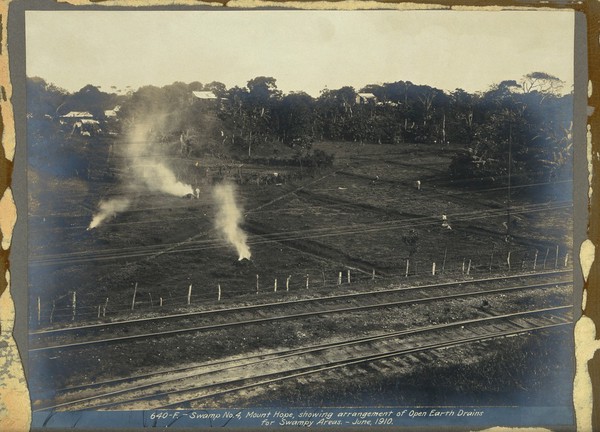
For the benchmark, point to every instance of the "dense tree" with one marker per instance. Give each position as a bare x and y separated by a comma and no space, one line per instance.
143,102
334,111
541,82
196,86
89,98
262,90
526,131
527,118
218,88
43,99
460,121
248,113
296,118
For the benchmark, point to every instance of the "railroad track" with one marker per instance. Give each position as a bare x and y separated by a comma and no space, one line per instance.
216,319
186,386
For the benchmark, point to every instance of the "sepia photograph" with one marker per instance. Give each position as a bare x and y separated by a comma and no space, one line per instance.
285,218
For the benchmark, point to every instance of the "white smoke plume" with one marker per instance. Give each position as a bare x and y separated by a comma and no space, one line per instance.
148,172
229,217
157,177
107,210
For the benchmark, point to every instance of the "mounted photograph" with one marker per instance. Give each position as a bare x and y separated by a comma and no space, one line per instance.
277,218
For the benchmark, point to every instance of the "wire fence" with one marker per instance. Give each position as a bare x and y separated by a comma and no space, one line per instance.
274,287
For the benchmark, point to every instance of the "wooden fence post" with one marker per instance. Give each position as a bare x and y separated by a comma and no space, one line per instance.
219,288
348,276
307,281
508,260
463,266
74,305
287,283
566,259
433,269
469,268
275,285
535,259
373,276
556,259
339,278
189,296
39,310
491,259
99,311
134,293
104,307
407,264
256,284
52,311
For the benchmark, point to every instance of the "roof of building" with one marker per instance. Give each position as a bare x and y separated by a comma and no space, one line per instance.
204,95
366,95
89,121
78,114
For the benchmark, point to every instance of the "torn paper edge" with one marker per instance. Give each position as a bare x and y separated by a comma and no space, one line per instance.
15,410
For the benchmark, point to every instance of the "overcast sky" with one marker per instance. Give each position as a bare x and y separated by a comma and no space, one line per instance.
303,50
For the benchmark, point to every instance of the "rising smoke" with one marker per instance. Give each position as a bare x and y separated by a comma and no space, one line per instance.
107,210
158,178
228,220
147,172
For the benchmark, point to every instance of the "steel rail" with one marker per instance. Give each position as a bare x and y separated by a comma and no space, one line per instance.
293,316
371,358
300,301
257,359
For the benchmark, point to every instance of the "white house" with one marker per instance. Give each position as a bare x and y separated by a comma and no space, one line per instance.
204,95
86,127
77,115
111,114
73,117
365,98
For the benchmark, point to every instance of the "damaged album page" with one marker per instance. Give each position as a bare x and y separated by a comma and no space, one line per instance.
259,218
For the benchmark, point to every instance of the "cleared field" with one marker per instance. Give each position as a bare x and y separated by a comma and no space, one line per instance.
364,214
359,225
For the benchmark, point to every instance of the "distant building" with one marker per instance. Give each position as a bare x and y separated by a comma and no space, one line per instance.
365,98
73,116
112,114
205,95
388,103
80,123
86,127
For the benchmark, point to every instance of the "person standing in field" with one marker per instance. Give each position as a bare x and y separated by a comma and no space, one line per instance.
445,223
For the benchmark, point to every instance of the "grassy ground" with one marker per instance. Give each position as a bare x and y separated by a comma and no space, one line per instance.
521,370
357,215
362,214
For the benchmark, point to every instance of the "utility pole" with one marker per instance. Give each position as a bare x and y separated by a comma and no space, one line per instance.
509,180
444,130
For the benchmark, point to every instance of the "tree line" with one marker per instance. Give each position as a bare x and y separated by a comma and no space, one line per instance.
528,121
